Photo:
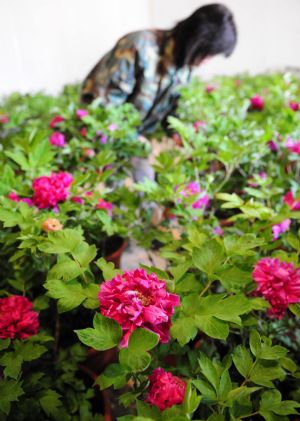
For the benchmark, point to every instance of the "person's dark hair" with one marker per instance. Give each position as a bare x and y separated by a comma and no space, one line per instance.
209,31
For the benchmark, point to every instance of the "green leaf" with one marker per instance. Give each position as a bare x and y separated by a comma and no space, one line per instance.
64,241
269,399
184,330
50,402
242,360
205,389
10,218
142,340
255,342
69,294
242,245
106,333
4,344
84,254
209,370
234,279
66,270
148,411
265,372
12,363
108,269
225,385
191,399
10,391
208,258
114,374
212,327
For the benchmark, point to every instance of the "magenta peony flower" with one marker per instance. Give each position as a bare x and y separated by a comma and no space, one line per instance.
137,299
15,198
257,103
17,319
49,191
55,121
290,201
198,125
77,199
293,146
283,226
279,283
165,389
294,105
57,139
81,113
273,146
191,189
103,204
202,202
4,119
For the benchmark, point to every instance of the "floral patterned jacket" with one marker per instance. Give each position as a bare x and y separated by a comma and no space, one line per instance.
138,70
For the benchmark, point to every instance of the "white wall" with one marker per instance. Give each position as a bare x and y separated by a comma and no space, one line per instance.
47,43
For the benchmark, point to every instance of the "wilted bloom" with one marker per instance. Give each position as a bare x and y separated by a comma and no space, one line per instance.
165,389
283,226
199,124
218,231
4,119
136,299
279,283
17,318
294,105
209,88
77,199
257,103
113,127
52,224
103,204
293,146
49,191
57,139
55,121
273,146
202,202
291,201
15,198
81,113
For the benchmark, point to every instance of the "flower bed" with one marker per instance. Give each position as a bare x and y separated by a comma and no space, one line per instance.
216,335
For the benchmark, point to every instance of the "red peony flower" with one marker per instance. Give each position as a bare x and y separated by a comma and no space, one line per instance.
55,121
17,319
279,283
165,390
83,131
103,204
49,191
294,105
4,119
57,139
257,103
137,299
290,201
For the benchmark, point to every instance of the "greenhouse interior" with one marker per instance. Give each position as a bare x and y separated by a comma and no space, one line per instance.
150,210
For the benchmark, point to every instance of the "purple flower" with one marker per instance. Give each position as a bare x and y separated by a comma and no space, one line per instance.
81,113
218,231
283,226
57,139
273,146
203,202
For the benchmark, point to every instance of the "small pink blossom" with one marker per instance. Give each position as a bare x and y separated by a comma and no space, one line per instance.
279,283
218,231
49,191
103,204
55,121
77,199
15,198
202,202
113,127
88,152
257,103
137,299
293,146
294,105
209,88
191,189
165,389
4,119
198,125
273,146
81,113
57,139
291,201
18,320
283,226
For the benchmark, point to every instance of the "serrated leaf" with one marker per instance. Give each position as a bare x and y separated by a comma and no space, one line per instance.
242,360
208,258
10,391
184,330
50,402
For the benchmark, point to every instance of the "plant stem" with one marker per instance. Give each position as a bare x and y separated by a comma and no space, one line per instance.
248,415
207,286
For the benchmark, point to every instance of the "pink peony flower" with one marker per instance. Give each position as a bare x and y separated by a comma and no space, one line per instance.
257,103
273,146
283,226
17,319
49,191
77,199
55,121
113,127
294,105
293,146
202,202
103,204
81,113
199,124
218,231
4,119
137,299
165,389
209,89
57,139
290,201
